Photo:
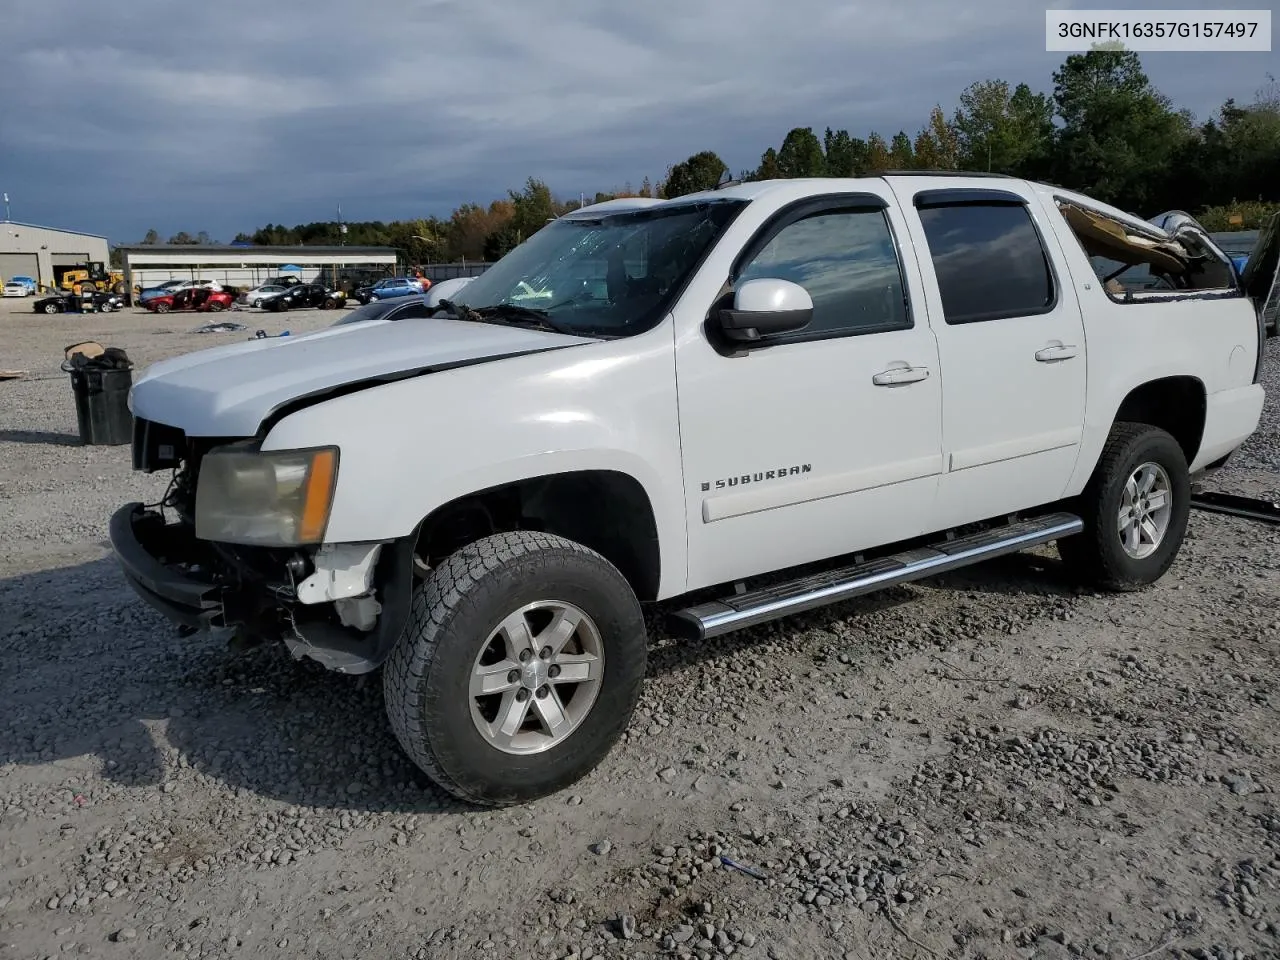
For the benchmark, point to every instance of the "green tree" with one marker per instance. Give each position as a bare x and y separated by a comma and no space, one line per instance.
152,237
769,168
1003,131
877,154
1119,134
936,146
846,155
702,171
901,156
801,154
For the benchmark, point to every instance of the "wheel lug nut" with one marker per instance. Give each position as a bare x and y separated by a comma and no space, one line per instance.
542,693
513,676
522,694
525,655
554,671
545,653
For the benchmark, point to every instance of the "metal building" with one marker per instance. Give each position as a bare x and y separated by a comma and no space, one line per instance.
27,250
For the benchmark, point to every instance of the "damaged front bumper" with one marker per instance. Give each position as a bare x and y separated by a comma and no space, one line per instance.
168,570
344,605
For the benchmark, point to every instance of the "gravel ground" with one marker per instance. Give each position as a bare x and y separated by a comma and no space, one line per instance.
987,764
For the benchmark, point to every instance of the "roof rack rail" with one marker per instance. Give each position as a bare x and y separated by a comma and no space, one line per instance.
943,173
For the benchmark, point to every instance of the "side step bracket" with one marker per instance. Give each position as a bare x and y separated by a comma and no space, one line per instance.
742,610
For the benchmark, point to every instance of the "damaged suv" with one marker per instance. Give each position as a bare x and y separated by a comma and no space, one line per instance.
739,404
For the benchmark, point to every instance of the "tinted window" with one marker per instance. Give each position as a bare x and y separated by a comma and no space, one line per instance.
388,309
989,262
847,261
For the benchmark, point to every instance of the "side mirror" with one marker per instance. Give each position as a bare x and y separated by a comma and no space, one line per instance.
766,307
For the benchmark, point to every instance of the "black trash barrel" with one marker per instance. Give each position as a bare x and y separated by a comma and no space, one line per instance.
102,405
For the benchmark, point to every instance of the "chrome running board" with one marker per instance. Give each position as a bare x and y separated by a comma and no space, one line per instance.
743,610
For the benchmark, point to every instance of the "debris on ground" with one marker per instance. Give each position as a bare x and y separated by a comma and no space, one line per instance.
223,326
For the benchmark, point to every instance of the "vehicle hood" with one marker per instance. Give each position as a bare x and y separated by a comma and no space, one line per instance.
228,391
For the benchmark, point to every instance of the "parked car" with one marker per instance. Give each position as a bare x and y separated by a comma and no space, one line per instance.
791,393
388,288
20,287
251,298
67,301
192,298
173,286
304,295
399,308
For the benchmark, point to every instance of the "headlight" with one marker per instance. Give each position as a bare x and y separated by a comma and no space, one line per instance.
275,499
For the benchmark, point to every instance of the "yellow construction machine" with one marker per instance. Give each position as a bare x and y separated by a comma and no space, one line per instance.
93,274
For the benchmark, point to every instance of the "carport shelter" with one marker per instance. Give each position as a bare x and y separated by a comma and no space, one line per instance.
247,266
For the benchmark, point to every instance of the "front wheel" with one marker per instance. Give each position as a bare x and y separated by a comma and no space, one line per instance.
519,669
52,308
1135,511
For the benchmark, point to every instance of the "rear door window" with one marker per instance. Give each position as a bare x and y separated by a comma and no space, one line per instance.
989,260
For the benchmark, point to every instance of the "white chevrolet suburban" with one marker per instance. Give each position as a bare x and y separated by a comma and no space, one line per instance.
736,405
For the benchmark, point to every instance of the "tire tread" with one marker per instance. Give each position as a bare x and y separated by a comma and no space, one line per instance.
1088,554
441,595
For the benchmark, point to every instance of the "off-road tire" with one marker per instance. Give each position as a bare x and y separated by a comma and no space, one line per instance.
425,679
1096,557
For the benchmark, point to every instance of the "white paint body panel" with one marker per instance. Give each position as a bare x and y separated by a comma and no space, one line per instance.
1011,424
990,430
226,391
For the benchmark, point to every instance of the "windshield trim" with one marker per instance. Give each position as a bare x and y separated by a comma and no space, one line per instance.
655,314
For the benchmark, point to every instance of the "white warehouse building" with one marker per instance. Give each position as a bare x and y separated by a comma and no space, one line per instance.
27,250
247,266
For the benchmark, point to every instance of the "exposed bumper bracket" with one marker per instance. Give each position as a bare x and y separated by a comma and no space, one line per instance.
1263,511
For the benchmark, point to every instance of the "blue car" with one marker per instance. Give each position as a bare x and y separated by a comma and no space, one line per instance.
20,287
393,287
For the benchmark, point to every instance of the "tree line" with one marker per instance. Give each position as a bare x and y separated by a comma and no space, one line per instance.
1104,129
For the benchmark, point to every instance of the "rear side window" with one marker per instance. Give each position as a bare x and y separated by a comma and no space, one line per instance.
989,261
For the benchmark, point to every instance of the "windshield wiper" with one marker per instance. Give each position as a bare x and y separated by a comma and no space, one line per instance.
516,315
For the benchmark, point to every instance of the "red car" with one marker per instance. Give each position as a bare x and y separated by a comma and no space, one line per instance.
196,298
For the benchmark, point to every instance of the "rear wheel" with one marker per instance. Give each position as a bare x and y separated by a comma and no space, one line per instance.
1135,511
519,669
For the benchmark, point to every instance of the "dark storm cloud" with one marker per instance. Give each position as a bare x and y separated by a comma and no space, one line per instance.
224,116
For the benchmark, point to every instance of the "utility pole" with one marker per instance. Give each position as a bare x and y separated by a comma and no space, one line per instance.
7,214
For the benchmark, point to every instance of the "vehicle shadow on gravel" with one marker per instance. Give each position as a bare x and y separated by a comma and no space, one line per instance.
40,437
107,679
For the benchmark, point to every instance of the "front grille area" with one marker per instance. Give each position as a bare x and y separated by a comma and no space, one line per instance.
156,446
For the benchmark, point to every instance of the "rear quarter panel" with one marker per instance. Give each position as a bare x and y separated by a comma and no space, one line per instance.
1212,338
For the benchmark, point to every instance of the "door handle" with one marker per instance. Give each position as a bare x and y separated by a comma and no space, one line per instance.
1057,352
895,376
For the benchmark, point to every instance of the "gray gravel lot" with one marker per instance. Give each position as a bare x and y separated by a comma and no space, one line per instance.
988,764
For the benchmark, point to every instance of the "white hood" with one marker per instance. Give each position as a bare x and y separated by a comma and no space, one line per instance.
228,391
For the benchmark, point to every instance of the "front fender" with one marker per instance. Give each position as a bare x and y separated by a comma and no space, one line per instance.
410,446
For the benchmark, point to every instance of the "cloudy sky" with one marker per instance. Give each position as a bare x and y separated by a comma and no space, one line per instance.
224,116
